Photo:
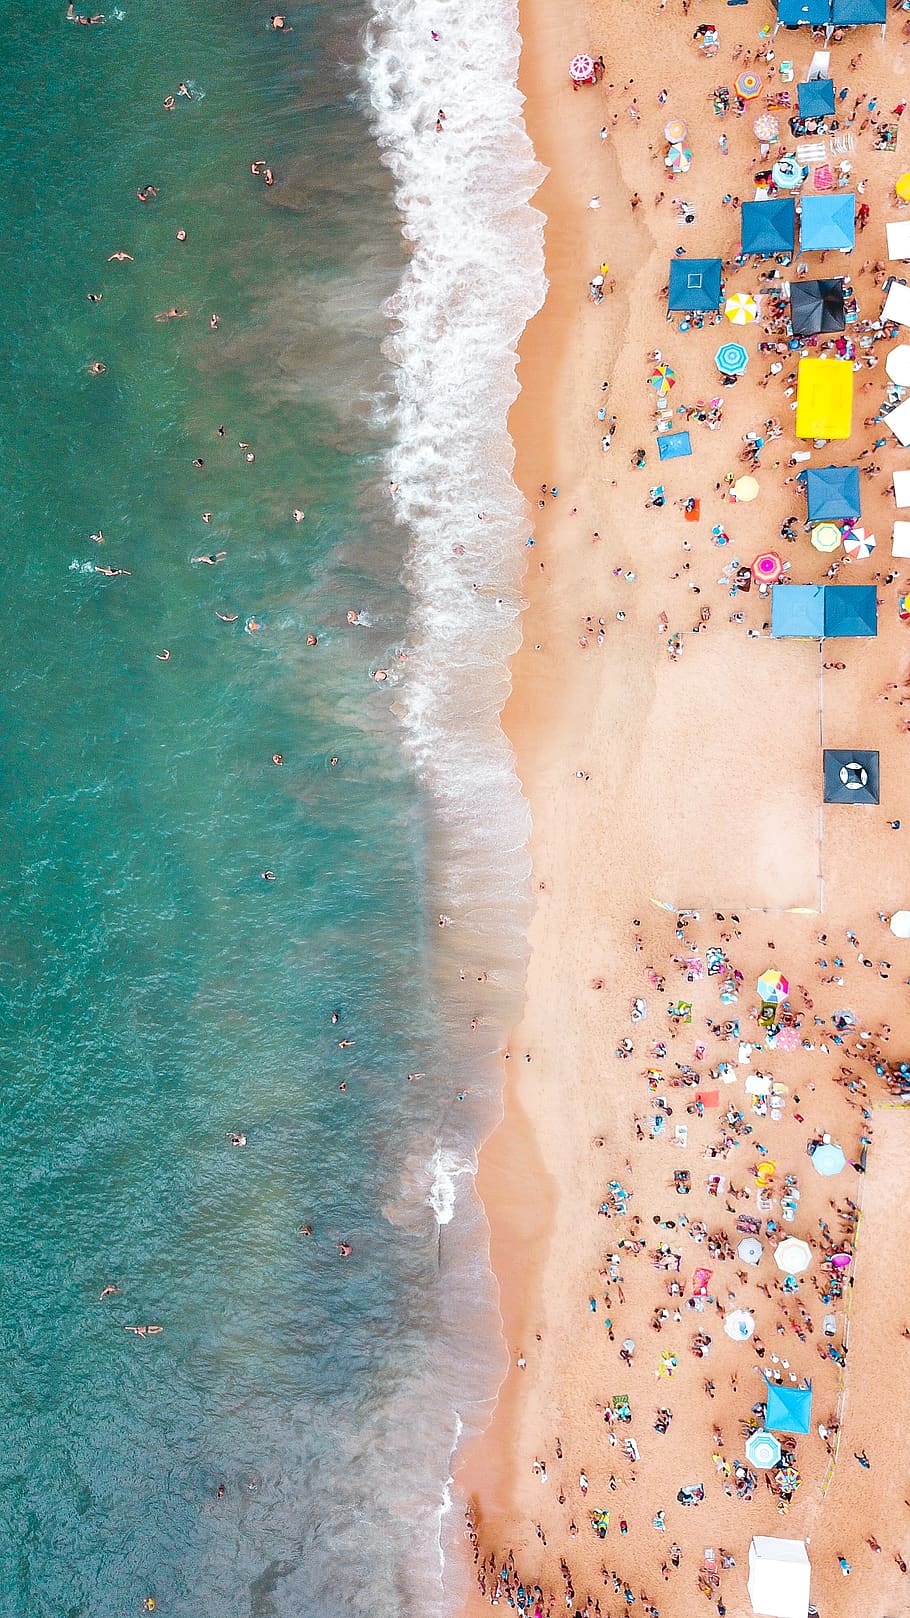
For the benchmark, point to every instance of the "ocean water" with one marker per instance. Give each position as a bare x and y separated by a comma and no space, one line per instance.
156,994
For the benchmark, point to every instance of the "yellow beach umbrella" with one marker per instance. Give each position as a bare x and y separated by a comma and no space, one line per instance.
745,489
902,187
741,308
826,536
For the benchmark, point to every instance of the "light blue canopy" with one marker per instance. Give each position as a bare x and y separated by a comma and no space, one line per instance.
791,13
828,222
832,493
769,226
695,285
852,13
797,611
789,1410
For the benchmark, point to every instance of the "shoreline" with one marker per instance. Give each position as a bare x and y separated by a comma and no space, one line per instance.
543,1166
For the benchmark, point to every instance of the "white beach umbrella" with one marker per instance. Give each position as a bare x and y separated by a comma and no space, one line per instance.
793,1256
739,1325
900,924
897,364
750,1250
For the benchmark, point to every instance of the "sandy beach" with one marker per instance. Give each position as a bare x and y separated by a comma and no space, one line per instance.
690,786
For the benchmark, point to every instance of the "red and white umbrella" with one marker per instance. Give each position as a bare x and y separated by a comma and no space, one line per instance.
767,568
581,70
859,543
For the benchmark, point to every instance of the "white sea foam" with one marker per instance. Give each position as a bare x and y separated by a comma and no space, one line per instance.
447,1167
474,278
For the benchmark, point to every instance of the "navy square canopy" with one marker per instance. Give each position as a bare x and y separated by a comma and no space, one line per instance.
695,285
769,226
851,776
817,306
816,98
832,493
850,610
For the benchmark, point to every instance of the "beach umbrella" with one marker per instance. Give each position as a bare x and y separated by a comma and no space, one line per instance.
750,1250
739,1325
741,308
663,378
826,536
773,987
858,543
763,1450
841,1261
748,86
903,608
900,924
766,126
581,69
828,1159
745,489
788,173
897,364
679,159
788,1039
793,1256
675,130
767,569
731,359
902,187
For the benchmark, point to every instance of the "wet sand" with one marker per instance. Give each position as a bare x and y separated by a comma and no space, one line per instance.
692,784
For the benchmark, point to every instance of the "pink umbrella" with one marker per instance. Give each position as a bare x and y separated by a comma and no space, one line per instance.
767,568
841,1261
581,70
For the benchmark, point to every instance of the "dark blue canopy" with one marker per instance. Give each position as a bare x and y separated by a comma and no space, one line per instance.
851,776
770,226
832,493
816,98
695,285
850,609
851,13
814,12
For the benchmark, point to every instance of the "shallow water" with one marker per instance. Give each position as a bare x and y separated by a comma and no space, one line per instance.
155,992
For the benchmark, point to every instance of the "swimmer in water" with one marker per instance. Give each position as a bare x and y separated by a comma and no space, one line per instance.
98,538
268,876
121,258
236,1140
333,760
252,626
169,103
163,657
277,758
210,561
172,314
181,235
107,1292
206,516
311,640
345,1249
335,1017
228,617
298,514
97,368
145,193
94,297
304,1230
199,463
214,321
112,572
379,675
279,25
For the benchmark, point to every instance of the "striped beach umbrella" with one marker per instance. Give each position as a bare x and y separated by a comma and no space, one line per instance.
859,544
675,130
793,1256
663,378
766,126
788,173
826,536
773,987
581,69
741,308
731,359
679,159
748,86
767,569
763,1450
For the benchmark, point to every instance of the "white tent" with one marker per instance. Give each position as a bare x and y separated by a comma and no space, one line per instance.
899,420
900,539
898,239
779,1576
897,364
897,304
902,488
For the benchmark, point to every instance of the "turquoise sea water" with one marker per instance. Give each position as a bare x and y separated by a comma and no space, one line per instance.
155,992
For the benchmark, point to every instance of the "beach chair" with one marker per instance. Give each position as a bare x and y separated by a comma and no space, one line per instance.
813,151
840,144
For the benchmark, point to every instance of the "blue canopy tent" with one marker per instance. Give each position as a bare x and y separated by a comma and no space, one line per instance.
797,611
828,222
816,98
832,493
795,13
769,227
853,13
695,285
850,609
670,446
789,1410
